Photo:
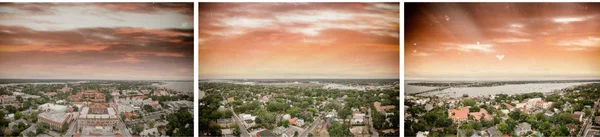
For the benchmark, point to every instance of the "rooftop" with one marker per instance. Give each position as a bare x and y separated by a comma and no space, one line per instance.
85,113
55,116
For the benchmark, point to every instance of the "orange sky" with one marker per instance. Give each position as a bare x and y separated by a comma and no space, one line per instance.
502,41
298,40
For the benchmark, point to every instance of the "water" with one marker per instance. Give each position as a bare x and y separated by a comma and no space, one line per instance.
505,89
177,86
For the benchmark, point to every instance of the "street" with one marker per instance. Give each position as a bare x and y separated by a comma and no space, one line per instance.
374,132
71,129
242,126
310,128
587,125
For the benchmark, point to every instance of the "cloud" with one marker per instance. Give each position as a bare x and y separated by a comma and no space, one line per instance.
485,48
58,17
567,20
343,39
301,18
582,42
511,40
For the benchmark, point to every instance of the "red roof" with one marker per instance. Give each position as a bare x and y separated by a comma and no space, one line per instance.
462,113
510,107
482,112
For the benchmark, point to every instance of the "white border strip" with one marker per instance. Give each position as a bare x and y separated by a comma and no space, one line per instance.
401,68
196,91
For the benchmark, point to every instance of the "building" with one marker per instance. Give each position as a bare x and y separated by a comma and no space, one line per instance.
229,100
458,116
265,133
52,107
577,116
225,122
522,129
300,122
358,118
494,132
380,108
55,119
7,99
482,112
150,132
50,94
508,106
292,121
98,116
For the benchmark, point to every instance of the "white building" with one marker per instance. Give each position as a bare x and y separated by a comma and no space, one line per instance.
358,118
52,107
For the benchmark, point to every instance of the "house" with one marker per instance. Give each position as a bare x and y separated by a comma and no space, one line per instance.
380,108
522,129
225,122
358,118
482,112
286,116
494,132
247,117
458,116
300,122
226,132
577,116
510,107
422,133
597,119
292,121
231,99
149,132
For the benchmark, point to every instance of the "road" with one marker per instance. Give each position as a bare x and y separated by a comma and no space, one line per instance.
310,128
71,129
587,125
124,131
242,126
374,132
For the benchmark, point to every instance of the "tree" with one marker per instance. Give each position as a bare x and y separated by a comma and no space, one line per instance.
11,109
295,133
467,129
344,113
338,130
183,121
236,130
504,128
215,130
151,123
285,123
65,126
469,102
148,108
258,120
41,128
587,111
18,115
3,121
228,114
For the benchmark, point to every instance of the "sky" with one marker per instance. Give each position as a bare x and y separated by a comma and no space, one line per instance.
482,41
298,40
124,41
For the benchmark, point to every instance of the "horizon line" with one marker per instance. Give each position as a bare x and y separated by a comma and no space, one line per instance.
91,79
